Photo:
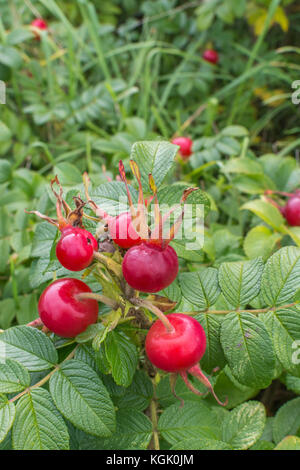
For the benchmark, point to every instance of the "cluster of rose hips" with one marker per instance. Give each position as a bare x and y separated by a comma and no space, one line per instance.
291,210
176,342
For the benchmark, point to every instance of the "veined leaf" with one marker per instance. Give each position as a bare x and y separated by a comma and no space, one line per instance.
267,212
240,281
194,420
13,377
38,424
7,415
81,397
122,356
201,288
133,431
201,444
287,420
248,349
112,197
153,157
29,346
214,355
281,276
260,241
284,328
244,425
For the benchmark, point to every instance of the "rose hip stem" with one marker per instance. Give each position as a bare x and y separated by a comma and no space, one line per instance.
162,317
99,298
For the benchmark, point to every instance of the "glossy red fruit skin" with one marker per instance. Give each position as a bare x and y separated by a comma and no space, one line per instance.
177,350
75,248
210,55
39,23
62,312
149,268
122,231
185,145
292,211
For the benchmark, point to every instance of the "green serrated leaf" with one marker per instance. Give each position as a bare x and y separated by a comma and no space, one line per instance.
227,387
201,444
138,394
90,333
281,276
155,158
289,443
193,420
122,356
29,346
292,383
38,425
133,431
44,237
284,328
13,377
287,420
7,416
248,349
86,353
244,425
214,355
112,197
201,288
81,397
240,281
267,212
260,242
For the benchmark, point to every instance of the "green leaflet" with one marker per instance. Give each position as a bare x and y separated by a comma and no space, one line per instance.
227,387
122,356
81,397
267,212
13,377
214,355
284,328
29,346
7,415
281,276
260,241
287,420
193,420
289,443
112,197
201,288
38,425
201,444
240,281
133,431
155,158
244,425
248,349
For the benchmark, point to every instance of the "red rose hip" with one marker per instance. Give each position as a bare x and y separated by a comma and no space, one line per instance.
62,312
75,249
149,267
210,55
185,145
292,211
38,24
122,231
179,349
